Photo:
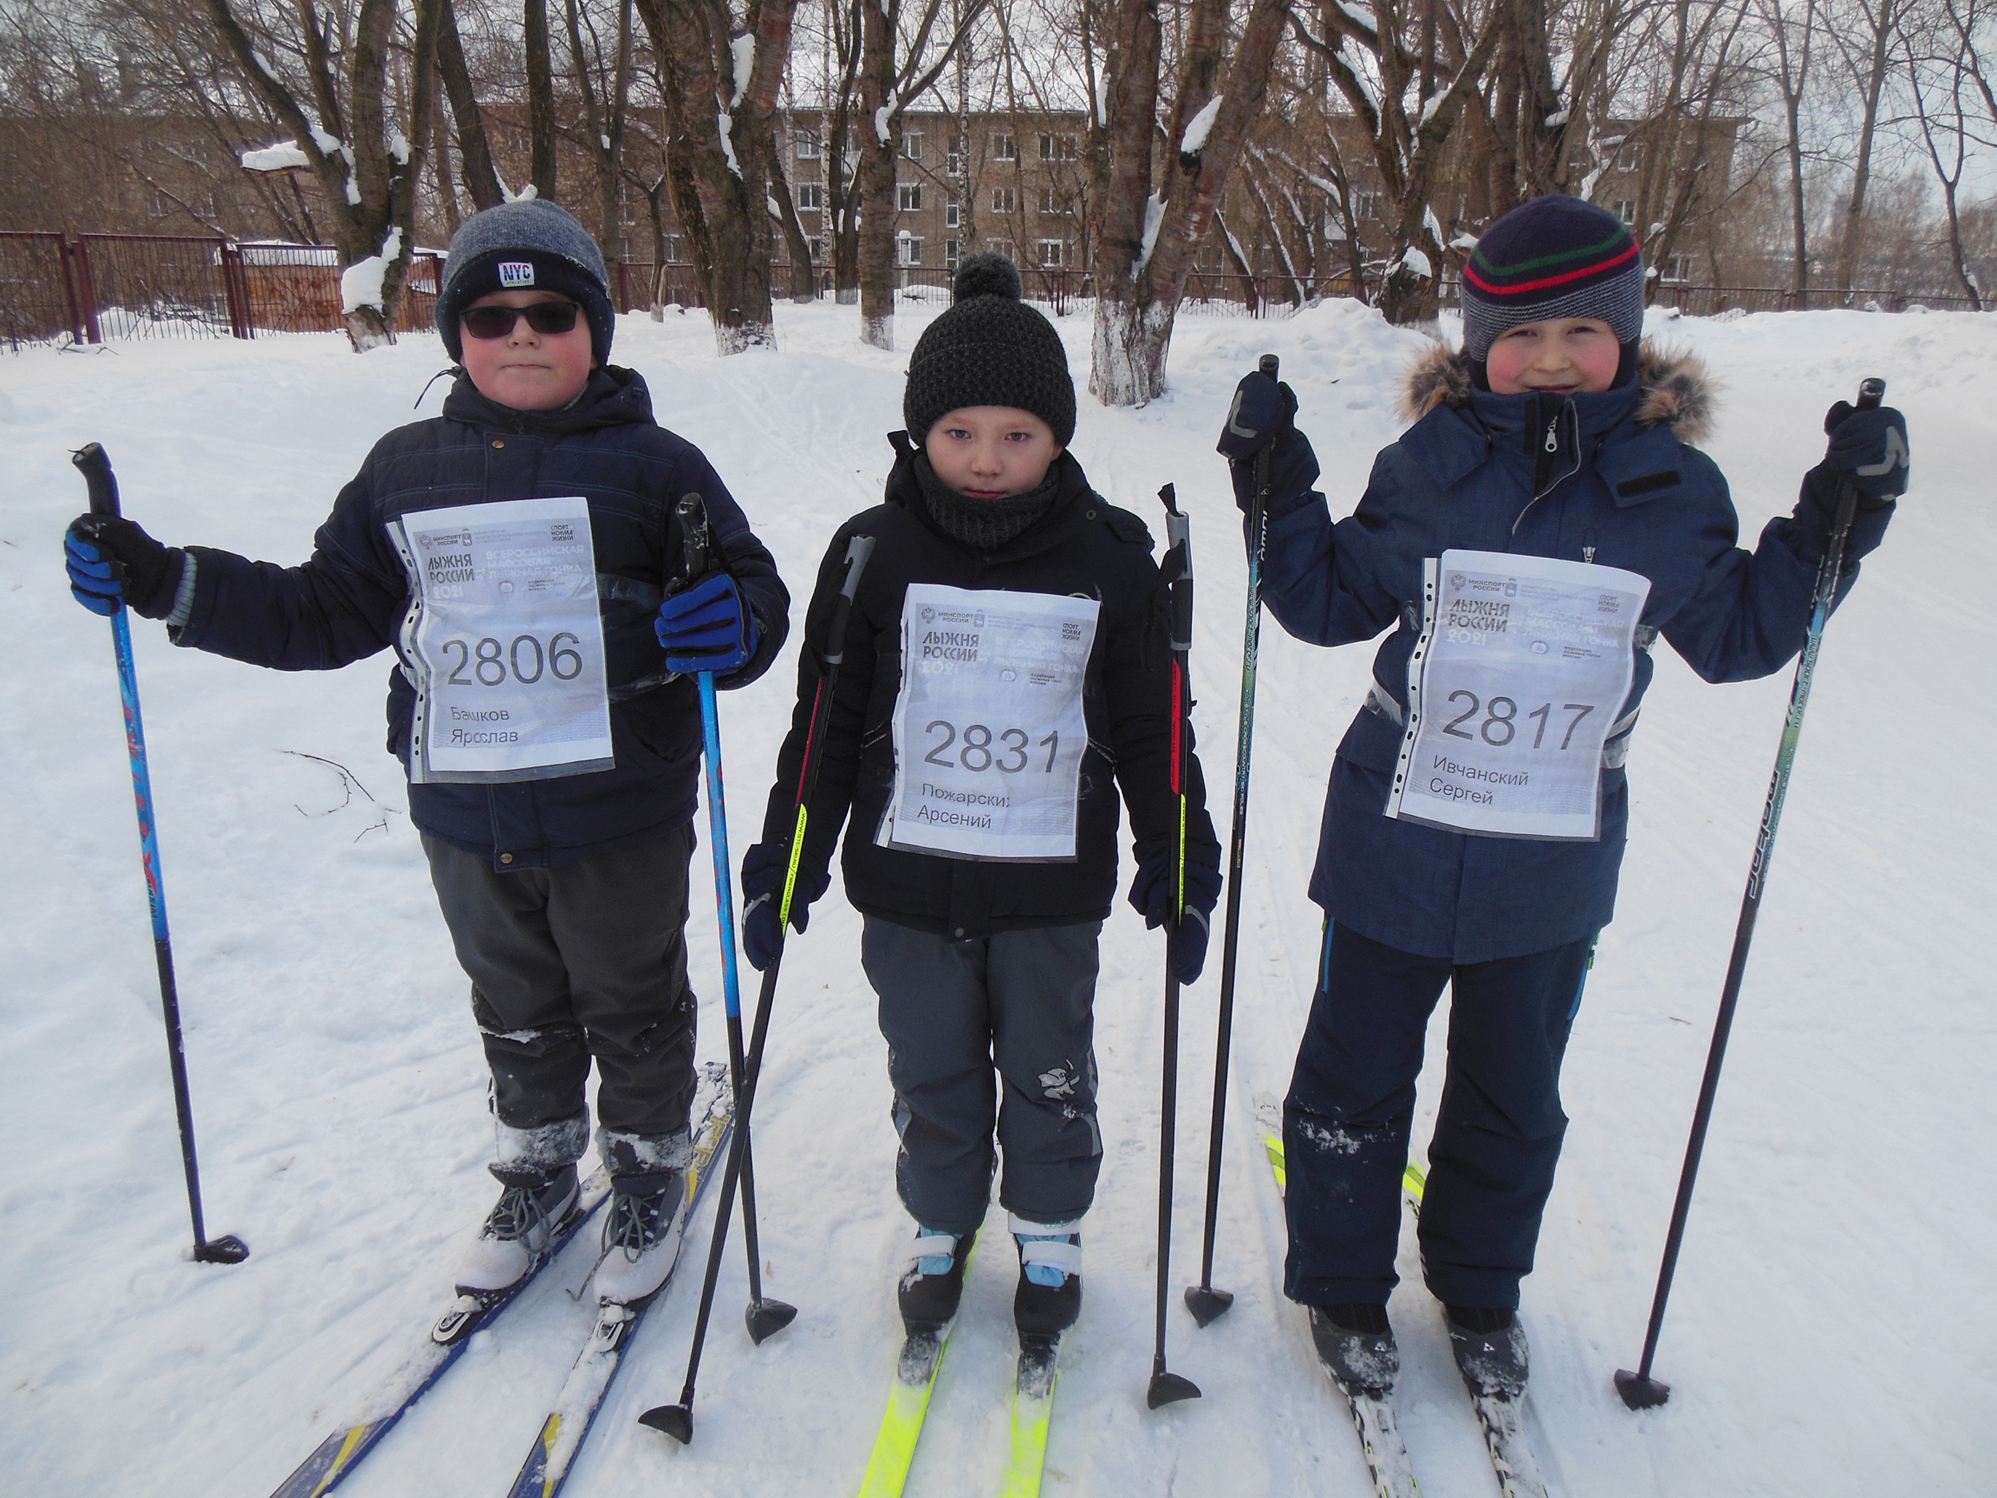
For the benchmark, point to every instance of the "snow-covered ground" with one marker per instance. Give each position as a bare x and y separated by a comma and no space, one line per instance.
1836,1307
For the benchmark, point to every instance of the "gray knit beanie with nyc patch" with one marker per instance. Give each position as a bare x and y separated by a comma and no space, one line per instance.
525,245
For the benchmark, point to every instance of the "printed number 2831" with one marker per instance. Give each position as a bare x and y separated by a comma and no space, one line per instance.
976,752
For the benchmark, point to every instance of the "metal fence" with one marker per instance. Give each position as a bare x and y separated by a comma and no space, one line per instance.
54,289
98,287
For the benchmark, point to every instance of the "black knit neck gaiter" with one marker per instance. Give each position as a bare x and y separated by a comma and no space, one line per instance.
984,524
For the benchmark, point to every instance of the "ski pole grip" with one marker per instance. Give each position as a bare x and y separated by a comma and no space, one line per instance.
1268,365
857,551
693,531
95,465
1871,392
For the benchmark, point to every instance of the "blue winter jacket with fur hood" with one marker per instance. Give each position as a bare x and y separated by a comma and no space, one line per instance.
1641,498
347,601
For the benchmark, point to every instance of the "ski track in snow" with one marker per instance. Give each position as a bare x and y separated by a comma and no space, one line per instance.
1832,1318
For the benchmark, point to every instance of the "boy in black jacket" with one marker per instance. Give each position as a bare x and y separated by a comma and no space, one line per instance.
517,552
1006,658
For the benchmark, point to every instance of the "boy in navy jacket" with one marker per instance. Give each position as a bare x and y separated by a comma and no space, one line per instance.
1542,524
517,552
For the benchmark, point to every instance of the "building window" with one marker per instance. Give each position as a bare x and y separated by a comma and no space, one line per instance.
1057,148
949,254
908,197
1676,269
817,243
1050,203
1002,247
1050,251
1626,210
911,249
810,197
953,159
911,145
1005,200
1364,204
952,213
805,143
1003,149
674,254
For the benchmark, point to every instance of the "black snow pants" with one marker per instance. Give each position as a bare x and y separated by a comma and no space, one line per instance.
1022,1002
1497,1139
587,958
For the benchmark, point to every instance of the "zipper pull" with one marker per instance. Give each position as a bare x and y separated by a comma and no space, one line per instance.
1552,440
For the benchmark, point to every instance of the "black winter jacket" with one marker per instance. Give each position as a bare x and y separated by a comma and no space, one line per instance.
1083,547
348,601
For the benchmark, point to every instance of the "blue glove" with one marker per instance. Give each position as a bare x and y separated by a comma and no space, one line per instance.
707,627
111,560
1263,416
763,869
1186,943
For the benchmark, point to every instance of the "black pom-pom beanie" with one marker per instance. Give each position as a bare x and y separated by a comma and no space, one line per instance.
989,349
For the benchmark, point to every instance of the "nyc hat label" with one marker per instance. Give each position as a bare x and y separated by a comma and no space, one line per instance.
514,273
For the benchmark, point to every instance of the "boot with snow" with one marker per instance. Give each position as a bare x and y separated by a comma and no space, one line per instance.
533,1209
934,1281
1490,1350
1049,1297
1356,1345
641,1237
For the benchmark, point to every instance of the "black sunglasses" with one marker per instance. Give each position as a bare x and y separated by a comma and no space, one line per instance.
542,317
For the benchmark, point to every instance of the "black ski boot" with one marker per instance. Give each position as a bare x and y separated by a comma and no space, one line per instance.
1490,1350
1049,1297
1356,1345
933,1284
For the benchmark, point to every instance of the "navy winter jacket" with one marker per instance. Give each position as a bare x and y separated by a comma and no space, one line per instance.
1635,496
348,601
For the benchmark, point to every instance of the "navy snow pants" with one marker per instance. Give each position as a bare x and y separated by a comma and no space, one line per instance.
1351,1106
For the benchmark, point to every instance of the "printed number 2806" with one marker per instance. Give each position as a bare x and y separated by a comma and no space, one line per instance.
976,752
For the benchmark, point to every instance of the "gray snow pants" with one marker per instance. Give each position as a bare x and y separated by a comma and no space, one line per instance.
1023,1002
584,959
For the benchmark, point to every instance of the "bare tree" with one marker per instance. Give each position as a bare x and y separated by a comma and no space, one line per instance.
1410,146
1794,37
481,178
896,69
368,168
721,93
1863,33
603,71
1954,110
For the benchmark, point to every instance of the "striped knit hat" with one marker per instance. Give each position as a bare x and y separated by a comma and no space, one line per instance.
1553,257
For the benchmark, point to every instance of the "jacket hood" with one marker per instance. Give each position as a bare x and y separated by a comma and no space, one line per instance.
1676,391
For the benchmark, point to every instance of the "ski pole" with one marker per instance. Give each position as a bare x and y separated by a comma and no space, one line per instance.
92,461
676,1420
1639,1390
763,1316
1167,1388
1206,1303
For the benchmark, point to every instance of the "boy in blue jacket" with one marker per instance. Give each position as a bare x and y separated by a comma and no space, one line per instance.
1530,537
517,553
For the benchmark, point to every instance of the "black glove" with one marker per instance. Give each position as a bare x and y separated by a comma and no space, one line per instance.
1868,449
111,559
1186,943
763,868
1263,417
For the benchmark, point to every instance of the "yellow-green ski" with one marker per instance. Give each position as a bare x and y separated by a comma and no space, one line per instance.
908,1405
1032,1408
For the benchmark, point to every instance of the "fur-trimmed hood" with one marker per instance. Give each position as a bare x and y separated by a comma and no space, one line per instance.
1678,393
